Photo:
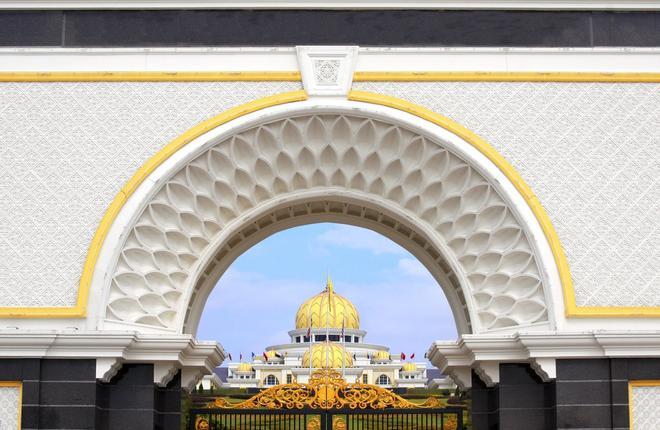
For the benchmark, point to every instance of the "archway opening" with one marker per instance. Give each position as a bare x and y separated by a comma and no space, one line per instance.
266,312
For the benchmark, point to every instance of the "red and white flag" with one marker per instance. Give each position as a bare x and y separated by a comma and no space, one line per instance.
403,356
412,356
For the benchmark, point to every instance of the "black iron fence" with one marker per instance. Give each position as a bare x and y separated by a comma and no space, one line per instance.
314,419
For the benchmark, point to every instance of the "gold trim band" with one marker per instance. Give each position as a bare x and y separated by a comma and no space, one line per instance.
294,76
147,76
504,77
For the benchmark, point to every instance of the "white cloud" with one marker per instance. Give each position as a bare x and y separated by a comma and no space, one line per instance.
347,236
412,267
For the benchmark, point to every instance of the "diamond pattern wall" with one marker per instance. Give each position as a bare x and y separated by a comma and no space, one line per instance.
645,408
590,153
65,151
9,407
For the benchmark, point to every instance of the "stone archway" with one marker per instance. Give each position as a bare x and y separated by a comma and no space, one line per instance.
417,183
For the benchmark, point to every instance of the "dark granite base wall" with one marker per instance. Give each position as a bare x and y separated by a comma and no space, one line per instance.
64,394
587,394
520,401
593,394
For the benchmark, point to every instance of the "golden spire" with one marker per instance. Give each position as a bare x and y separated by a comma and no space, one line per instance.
330,289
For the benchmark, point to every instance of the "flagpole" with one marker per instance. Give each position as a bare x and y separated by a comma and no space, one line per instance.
343,348
311,339
327,326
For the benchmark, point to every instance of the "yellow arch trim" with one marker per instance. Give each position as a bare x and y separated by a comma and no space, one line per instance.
80,309
571,308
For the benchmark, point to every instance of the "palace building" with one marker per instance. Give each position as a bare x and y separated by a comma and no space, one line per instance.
327,334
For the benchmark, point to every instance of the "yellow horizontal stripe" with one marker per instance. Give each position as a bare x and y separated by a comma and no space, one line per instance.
147,76
412,76
504,77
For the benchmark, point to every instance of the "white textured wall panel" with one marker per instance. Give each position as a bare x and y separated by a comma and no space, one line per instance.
590,152
10,402
645,408
65,151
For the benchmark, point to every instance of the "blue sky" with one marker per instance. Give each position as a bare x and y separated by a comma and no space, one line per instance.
255,302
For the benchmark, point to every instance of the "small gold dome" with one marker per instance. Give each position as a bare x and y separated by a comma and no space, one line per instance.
409,367
327,309
327,355
244,367
381,355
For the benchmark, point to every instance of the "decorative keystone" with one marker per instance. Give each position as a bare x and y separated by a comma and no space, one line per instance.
327,70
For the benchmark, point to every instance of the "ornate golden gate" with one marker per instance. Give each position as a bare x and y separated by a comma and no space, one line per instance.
327,402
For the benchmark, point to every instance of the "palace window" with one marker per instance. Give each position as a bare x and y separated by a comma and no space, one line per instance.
289,378
319,338
306,338
383,380
297,339
365,378
334,338
356,339
347,338
271,380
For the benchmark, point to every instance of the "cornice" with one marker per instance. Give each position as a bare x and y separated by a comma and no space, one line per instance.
170,353
484,353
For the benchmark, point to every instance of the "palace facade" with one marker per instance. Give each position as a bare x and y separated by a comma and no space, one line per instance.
327,334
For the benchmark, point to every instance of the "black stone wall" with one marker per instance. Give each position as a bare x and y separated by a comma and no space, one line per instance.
587,394
108,28
521,401
64,394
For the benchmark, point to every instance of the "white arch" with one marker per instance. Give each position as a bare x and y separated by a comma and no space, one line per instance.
513,238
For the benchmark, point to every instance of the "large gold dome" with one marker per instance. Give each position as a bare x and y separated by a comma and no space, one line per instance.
327,309
327,355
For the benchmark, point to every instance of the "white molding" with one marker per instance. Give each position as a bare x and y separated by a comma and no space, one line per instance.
545,368
488,372
111,350
284,59
164,372
337,4
484,353
107,368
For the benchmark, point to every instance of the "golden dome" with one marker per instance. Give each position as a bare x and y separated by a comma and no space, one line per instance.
409,367
327,309
271,354
381,355
327,355
244,367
